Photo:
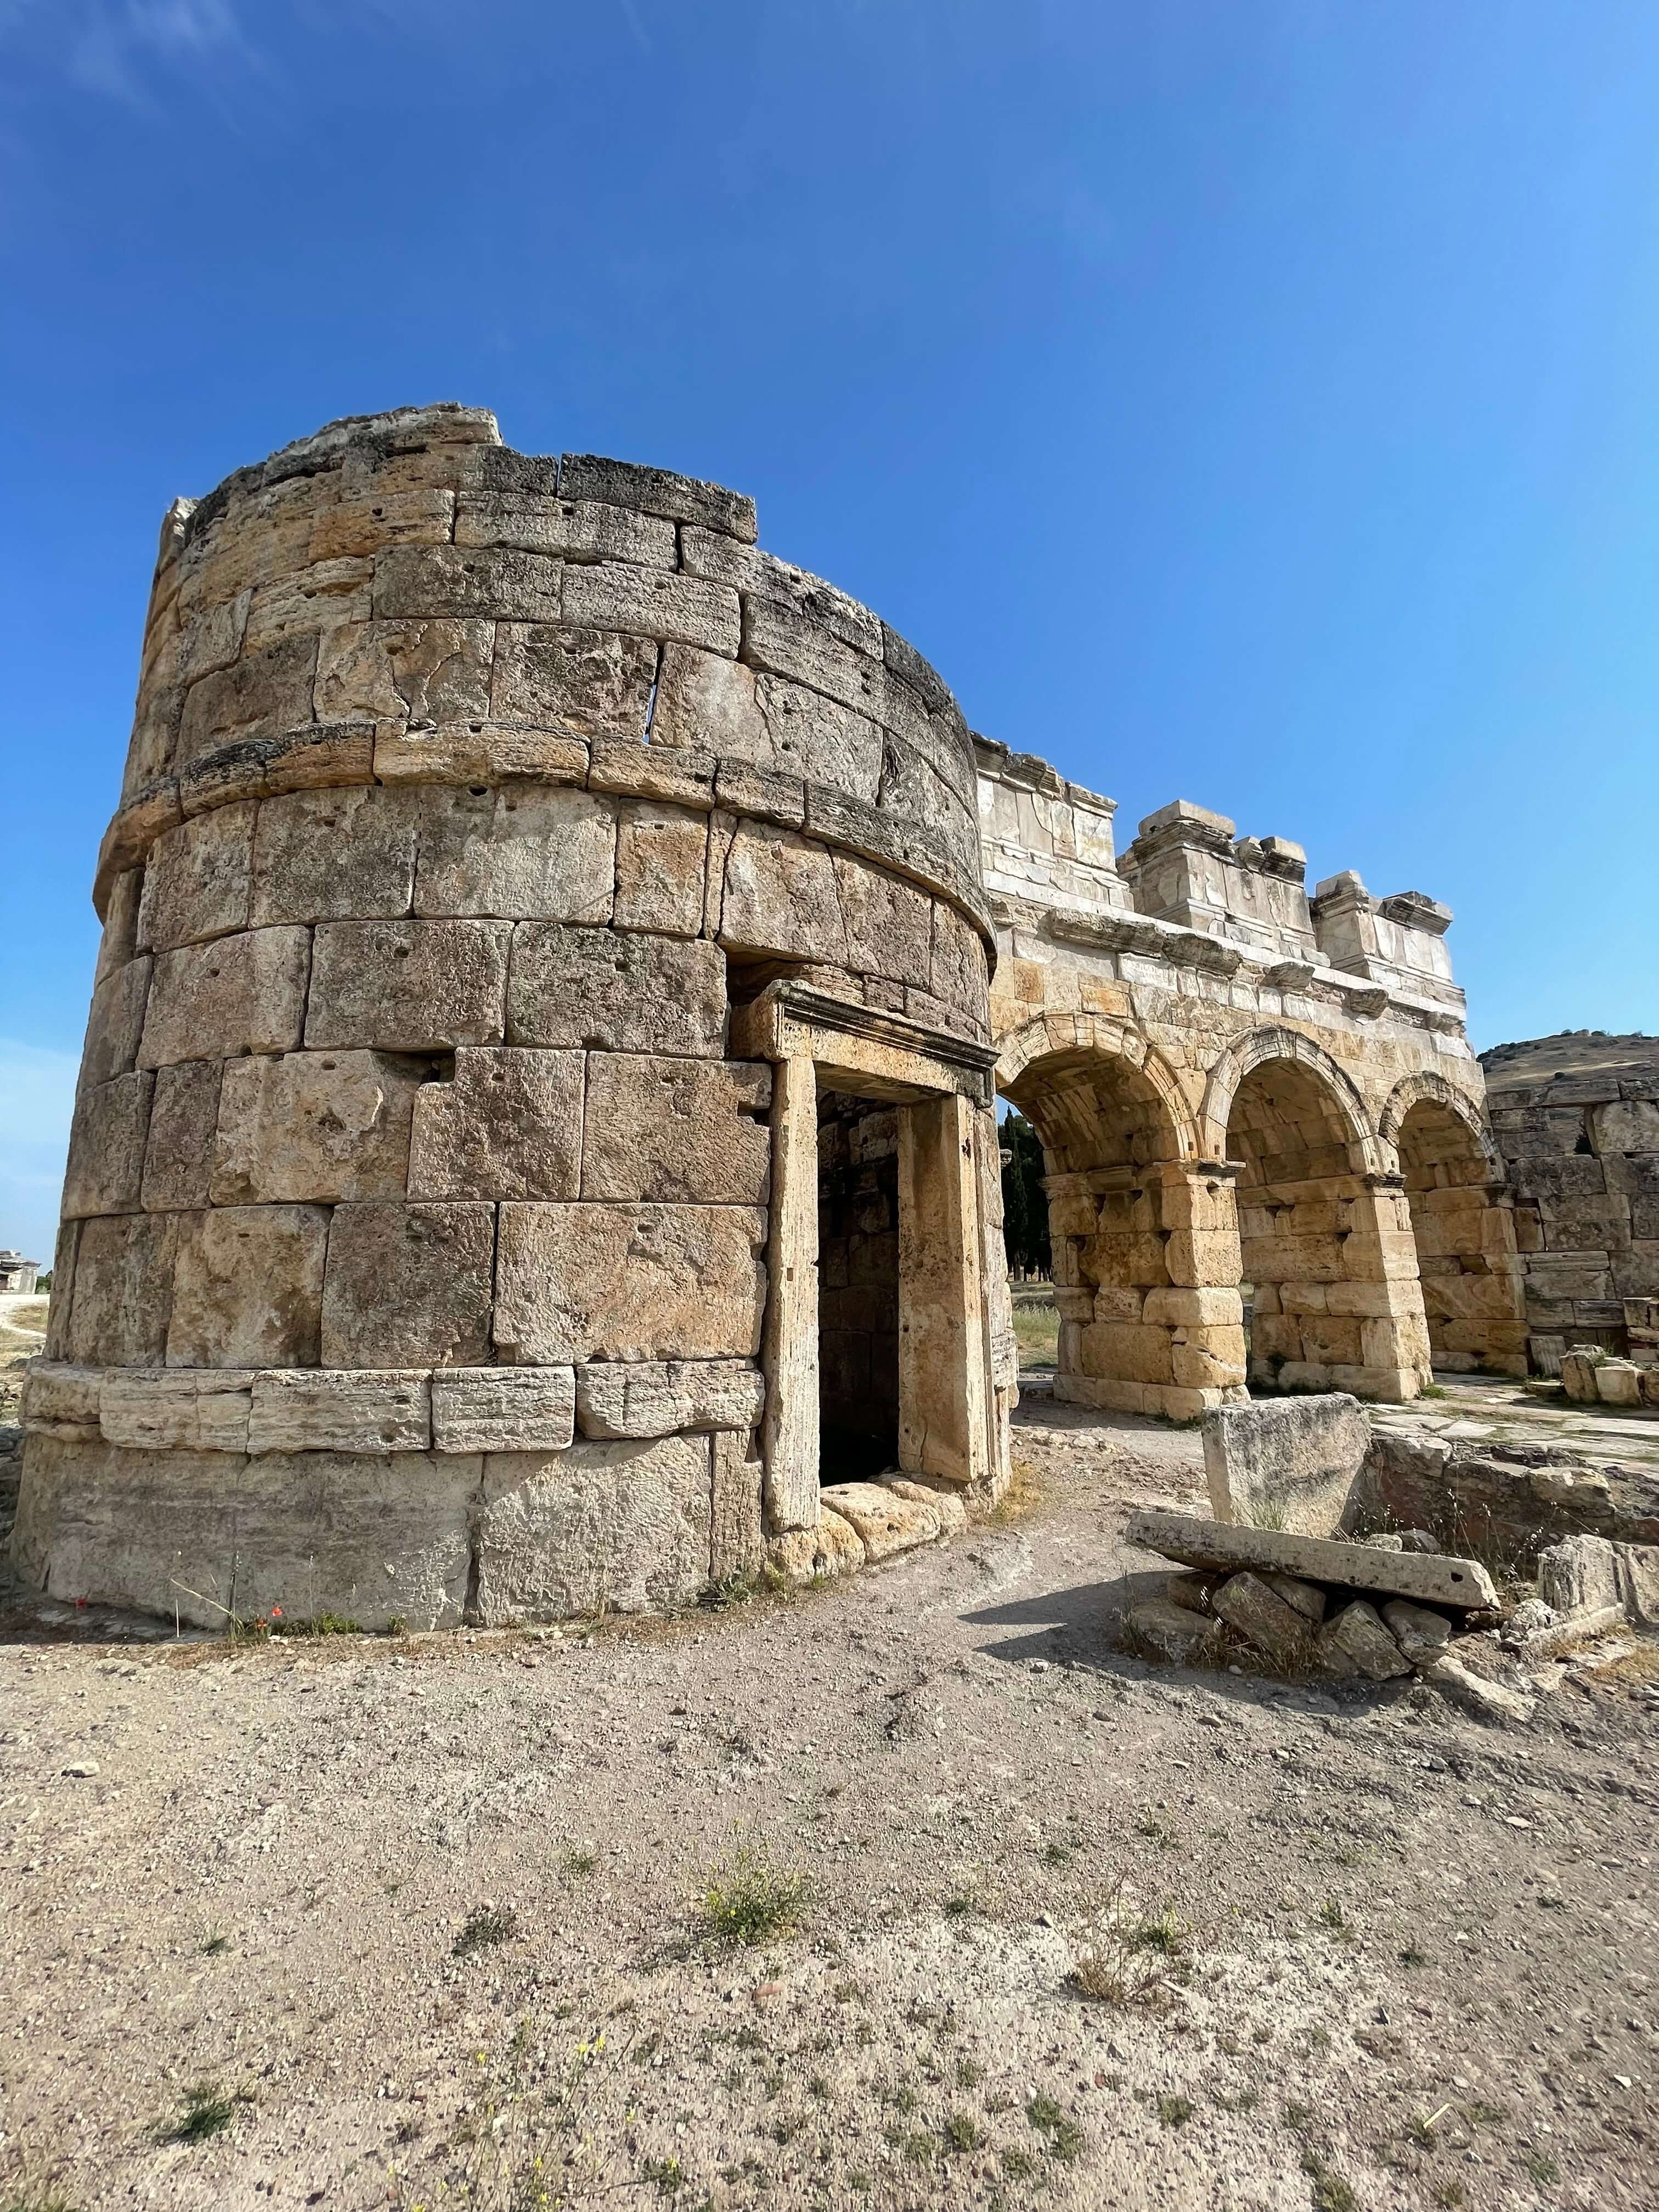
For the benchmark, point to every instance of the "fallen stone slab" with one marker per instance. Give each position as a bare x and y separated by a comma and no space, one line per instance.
1490,1700
1285,1463
1431,1578
1358,1631
1570,1634
1174,1632
1261,1617
1421,1635
887,1523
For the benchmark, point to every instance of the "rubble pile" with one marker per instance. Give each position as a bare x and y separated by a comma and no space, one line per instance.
1591,1375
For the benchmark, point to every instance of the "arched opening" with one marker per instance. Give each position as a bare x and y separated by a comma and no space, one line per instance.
1325,1242
1465,1255
1146,1262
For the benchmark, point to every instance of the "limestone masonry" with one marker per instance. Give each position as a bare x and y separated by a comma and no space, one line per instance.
536,1147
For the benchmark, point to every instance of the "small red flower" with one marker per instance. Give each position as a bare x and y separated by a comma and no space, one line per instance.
275,1612
80,1605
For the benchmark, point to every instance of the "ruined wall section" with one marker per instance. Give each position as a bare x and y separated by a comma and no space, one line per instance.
1576,1119
414,1249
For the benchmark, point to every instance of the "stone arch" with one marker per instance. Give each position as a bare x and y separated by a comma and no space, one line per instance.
1463,1224
1324,1232
1146,1292
1221,1088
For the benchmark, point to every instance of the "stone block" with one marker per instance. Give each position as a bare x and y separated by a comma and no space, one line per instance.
940,1497
658,491
176,1409
198,880
593,682
720,560
262,695
576,1283
56,1396
655,1398
1579,1575
183,1118
652,602
610,1527
679,1129
503,1409
120,939
300,1409
507,1124
297,850
1618,1382
1421,1634
477,752
314,1125
407,1285
416,987
115,1021
886,1523
108,1136
571,529
706,704
1305,1598
314,598
248,1287
1287,1463
1430,1578
661,856
737,1538
1628,1125
523,852
121,1291
616,991
419,672
466,582
316,757
1256,1612
373,520
784,641
238,994
800,1555
781,897
1490,1701
888,924
1174,1633
1358,1631
372,1537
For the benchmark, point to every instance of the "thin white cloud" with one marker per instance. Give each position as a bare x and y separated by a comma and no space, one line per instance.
37,1098
115,47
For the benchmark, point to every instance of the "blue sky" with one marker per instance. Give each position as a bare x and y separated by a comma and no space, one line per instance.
1252,402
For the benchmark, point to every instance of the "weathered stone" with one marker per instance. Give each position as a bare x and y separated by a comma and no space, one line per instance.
593,682
888,924
1305,1598
1579,1575
550,854
407,1285
477,752
466,582
309,758
651,603
800,1555
1263,1619
115,1023
577,529
297,875
1288,1463
198,880
781,897
121,1304
375,520
737,1541
507,1124
660,856
496,1409
1358,1631
657,491
263,696
576,1283
297,1409
615,991
720,560
886,1523
1422,1635
248,1288
603,1528
314,1125
184,1117
416,987
677,1129
107,1137
56,1396
238,994
1490,1700
120,939
942,1499
789,1433
420,672
322,594
176,1409
1192,1592
654,1398
1174,1632
1463,1584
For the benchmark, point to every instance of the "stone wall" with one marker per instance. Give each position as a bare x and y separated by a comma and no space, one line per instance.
415,1252
1576,1119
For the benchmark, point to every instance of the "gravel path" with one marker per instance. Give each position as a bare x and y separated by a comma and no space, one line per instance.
362,1923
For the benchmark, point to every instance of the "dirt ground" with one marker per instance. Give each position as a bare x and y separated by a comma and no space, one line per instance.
361,1921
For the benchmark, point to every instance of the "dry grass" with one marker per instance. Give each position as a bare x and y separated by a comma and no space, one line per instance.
1130,1964
1036,1332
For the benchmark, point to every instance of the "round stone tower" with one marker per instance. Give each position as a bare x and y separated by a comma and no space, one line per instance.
535,1119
